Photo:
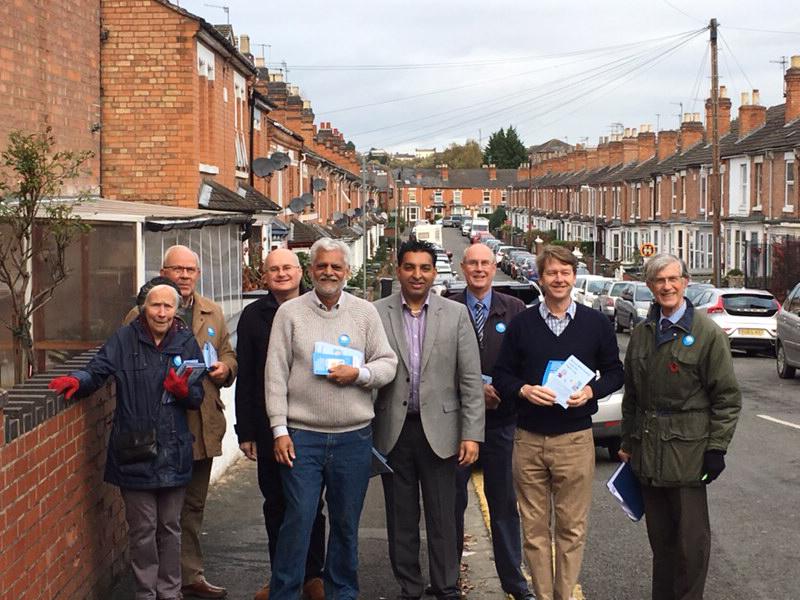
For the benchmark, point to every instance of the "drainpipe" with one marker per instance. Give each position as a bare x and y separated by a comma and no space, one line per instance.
252,134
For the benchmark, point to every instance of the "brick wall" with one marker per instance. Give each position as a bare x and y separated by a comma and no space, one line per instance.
62,530
151,125
49,75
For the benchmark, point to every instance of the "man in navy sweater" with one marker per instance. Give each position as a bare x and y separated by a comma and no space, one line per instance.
553,460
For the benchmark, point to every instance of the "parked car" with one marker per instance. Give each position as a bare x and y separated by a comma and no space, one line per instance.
746,316
632,305
607,298
695,289
787,346
588,287
448,222
516,263
528,269
479,236
501,251
458,220
607,424
508,257
466,227
528,291
493,243
444,273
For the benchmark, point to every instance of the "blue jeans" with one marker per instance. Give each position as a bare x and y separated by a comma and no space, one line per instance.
341,463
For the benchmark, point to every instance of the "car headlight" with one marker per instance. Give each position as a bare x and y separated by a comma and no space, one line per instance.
642,312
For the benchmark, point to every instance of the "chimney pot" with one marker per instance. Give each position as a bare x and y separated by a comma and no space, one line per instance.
244,44
627,132
723,91
756,97
745,98
259,61
792,87
796,61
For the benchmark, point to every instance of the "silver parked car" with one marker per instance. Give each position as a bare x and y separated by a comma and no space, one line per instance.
608,296
787,346
632,305
746,316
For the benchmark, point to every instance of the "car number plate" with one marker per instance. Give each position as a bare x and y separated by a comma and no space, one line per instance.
753,332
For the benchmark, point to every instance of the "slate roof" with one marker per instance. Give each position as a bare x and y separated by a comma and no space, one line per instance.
259,200
216,196
456,178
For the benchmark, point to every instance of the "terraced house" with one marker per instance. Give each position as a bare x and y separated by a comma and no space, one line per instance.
643,186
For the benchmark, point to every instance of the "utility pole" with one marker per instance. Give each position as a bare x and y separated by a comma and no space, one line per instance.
364,222
715,161
530,201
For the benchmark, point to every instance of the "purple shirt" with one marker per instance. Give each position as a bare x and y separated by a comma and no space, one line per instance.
414,327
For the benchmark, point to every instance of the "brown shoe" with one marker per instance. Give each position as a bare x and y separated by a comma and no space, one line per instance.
202,589
313,589
263,593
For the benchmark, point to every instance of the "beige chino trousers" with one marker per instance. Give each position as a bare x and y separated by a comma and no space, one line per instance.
553,476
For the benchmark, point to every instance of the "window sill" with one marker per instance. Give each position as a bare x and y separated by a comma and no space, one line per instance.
209,169
788,209
242,174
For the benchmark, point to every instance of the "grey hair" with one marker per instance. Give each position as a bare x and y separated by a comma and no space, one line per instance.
171,288
661,261
329,245
172,249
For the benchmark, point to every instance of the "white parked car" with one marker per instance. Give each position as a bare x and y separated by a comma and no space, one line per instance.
607,423
588,288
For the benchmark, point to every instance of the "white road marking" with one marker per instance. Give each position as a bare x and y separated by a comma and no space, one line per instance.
774,420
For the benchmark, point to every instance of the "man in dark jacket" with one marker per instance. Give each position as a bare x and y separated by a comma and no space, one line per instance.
553,460
282,277
679,412
150,448
491,312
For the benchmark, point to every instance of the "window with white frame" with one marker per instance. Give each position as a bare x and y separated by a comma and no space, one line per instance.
683,193
487,196
437,197
652,199
412,196
413,212
205,62
456,196
743,188
239,116
788,199
703,191
256,119
758,179
658,196
674,193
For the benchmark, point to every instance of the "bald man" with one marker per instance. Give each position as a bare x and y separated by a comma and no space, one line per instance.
282,276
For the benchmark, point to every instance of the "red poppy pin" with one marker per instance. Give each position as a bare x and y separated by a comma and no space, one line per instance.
673,367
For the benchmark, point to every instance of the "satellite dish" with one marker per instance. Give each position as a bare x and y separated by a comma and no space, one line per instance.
350,212
341,222
263,167
319,184
307,198
359,211
297,205
281,159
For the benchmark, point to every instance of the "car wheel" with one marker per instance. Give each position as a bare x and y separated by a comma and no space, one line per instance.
784,370
617,325
613,449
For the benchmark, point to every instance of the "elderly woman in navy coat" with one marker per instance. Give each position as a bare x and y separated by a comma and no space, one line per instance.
150,448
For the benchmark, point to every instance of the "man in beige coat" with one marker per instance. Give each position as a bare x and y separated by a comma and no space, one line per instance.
207,425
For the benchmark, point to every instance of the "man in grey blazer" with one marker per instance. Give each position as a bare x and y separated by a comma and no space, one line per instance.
428,421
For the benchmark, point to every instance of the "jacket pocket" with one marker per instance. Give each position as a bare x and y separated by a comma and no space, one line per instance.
451,405
683,440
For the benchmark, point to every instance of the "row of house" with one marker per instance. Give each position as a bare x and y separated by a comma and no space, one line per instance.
195,141
642,186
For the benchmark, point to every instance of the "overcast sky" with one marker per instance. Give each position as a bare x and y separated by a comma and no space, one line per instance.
552,68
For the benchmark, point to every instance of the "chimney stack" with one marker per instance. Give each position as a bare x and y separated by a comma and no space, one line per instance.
646,143
244,44
630,146
691,131
492,173
792,79
723,113
615,155
443,171
259,61
751,116
667,144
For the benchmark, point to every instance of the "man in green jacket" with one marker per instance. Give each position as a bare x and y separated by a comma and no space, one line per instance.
679,413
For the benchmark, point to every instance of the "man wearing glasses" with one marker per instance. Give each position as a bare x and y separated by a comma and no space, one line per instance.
283,275
204,317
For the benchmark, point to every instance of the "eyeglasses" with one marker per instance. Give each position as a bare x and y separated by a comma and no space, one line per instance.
179,269
479,263
662,281
282,269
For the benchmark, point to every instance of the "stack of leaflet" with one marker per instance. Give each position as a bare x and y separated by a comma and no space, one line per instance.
566,378
198,368
624,486
326,356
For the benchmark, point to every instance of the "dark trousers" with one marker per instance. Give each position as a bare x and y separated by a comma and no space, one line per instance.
194,505
269,481
680,537
498,486
416,465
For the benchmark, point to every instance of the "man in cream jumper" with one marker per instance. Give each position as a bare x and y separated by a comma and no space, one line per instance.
322,423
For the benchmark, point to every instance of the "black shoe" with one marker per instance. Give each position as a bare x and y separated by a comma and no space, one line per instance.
429,591
523,596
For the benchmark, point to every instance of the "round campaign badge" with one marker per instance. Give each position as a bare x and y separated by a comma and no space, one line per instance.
344,340
176,360
211,332
500,327
688,340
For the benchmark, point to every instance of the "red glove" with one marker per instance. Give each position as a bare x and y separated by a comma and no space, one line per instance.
65,385
178,385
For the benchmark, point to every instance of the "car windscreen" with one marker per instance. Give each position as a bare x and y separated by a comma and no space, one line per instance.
596,287
749,305
642,294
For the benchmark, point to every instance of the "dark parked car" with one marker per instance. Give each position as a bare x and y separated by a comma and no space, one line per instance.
517,261
632,305
787,351
528,270
526,291
695,289
508,257
606,301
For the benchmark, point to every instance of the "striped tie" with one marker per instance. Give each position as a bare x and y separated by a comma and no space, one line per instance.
480,321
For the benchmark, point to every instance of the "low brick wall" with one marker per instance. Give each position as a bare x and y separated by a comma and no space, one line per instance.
62,529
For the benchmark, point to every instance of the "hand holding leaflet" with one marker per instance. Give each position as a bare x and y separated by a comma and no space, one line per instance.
328,355
568,378
198,369
624,486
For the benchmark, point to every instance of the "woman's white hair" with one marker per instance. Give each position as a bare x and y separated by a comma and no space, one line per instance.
175,293
329,245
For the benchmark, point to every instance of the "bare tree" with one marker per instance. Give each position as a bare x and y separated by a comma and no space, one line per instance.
34,222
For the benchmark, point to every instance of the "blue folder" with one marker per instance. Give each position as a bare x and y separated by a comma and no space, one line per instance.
624,486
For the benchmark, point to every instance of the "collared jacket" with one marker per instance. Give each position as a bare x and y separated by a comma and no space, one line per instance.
208,424
681,399
502,309
139,368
